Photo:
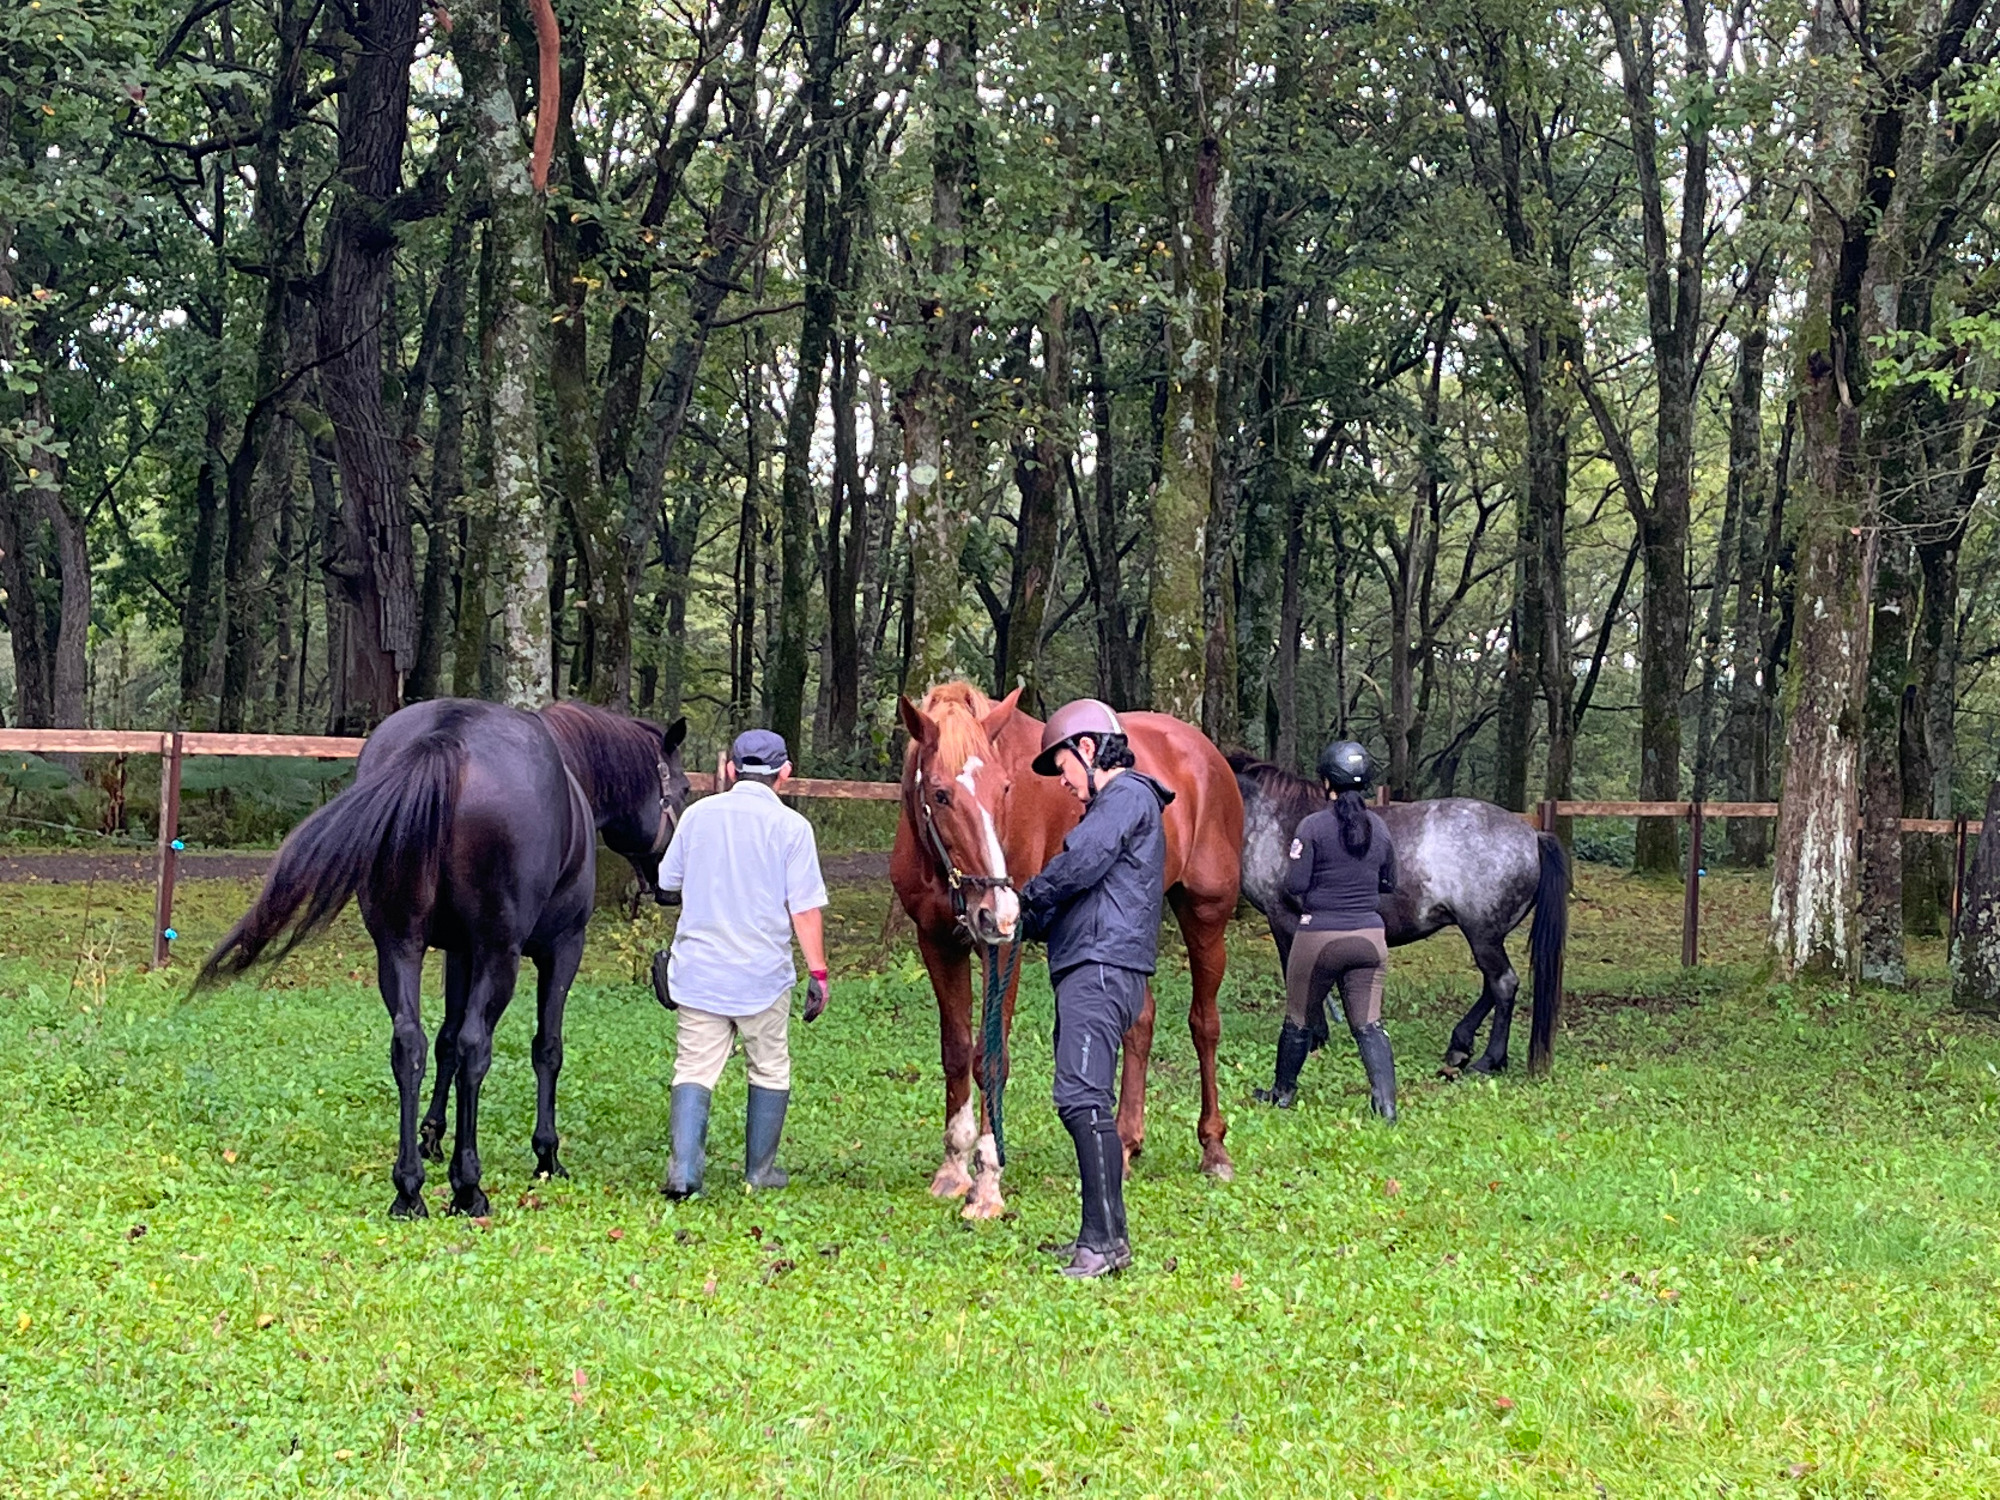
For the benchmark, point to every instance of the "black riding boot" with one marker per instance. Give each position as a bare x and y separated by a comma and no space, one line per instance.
764,1123
1373,1044
688,1124
1101,1245
1294,1043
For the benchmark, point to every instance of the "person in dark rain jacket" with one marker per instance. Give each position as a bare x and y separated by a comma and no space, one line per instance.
1342,864
1097,905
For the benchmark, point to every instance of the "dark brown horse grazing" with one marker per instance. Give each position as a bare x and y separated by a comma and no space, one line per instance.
470,827
974,814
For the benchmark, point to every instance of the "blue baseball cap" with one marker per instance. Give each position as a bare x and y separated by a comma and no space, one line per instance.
759,750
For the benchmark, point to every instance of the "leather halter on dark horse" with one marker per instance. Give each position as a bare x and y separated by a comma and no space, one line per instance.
971,810
470,827
1459,863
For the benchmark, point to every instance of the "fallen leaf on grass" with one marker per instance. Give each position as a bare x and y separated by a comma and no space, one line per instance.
582,1383
1799,1471
529,1201
265,1320
135,1232
24,1322
229,1157
1391,1188
1236,1282
616,1234
1503,1403
708,1287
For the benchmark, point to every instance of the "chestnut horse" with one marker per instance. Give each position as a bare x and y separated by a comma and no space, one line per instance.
976,820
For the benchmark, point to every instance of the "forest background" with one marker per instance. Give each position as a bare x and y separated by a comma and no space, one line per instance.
1563,400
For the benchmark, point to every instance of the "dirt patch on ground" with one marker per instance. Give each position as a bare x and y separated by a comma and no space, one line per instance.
108,867
80,867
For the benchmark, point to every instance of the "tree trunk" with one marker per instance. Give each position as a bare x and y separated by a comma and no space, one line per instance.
1746,734
942,469
1975,947
1038,478
352,299
514,352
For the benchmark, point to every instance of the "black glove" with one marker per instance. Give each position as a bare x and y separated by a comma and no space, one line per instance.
1035,918
660,980
818,992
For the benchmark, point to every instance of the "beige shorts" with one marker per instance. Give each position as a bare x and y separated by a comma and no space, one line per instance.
706,1038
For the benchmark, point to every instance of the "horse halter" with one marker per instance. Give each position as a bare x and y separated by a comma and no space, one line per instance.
957,880
669,818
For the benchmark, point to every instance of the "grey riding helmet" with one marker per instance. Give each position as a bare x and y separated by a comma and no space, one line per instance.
1344,766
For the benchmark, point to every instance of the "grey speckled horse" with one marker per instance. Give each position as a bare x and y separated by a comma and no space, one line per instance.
1459,863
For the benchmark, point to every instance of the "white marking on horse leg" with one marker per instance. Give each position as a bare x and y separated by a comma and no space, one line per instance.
984,1201
960,1131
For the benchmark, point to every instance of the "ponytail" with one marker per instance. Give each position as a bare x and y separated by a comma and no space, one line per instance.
1356,829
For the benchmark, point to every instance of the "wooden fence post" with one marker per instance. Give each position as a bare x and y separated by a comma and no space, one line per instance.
170,846
1691,902
1957,876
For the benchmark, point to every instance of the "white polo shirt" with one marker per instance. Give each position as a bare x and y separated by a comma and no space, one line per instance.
743,863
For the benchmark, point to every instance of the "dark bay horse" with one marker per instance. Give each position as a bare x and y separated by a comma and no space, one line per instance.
1459,863
470,827
977,820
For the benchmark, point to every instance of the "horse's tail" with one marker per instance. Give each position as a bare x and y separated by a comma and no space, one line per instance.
1545,949
386,833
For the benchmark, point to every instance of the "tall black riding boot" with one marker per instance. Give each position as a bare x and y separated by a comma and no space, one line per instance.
688,1124
1294,1043
1100,1170
1373,1044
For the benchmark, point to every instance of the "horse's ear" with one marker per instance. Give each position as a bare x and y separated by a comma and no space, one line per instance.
922,728
1001,714
674,734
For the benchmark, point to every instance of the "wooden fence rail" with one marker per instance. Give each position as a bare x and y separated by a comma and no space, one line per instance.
174,746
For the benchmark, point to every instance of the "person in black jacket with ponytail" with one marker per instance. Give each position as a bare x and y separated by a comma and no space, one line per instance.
1342,863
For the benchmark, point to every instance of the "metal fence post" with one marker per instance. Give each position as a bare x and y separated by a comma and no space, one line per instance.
170,847
1691,901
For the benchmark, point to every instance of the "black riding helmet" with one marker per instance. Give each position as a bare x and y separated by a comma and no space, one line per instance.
1344,766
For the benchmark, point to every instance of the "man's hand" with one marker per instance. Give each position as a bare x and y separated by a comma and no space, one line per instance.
660,960
818,992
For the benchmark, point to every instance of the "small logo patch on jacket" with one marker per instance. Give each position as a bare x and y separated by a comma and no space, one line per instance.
1298,848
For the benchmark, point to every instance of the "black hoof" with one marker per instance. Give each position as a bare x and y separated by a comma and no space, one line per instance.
550,1167
409,1206
1455,1058
1277,1098
1489,1065
471,1205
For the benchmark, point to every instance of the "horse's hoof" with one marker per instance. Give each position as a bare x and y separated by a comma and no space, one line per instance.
952,1181
471,1205
551,1168
409,1206
986,1206
1455,1060
1488,1065
1215,1163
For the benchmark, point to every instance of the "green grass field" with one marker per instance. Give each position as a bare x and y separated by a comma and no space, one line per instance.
1745,1242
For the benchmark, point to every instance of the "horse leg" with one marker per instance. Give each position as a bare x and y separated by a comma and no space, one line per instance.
555,971
1502,983
984,1200
1138,1053
486,999
1204,926
399,974
951,978
430,1139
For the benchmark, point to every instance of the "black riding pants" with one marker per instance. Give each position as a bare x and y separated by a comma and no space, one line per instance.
1096,1004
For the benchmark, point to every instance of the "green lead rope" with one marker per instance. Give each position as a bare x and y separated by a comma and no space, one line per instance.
993,1038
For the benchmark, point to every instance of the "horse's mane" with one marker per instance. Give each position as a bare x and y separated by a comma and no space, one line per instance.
615,758
1293,795
959,710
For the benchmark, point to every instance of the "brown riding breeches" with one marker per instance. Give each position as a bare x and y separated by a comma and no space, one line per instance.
1357,959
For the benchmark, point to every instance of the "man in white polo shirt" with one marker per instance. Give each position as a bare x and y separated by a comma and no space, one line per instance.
747,869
